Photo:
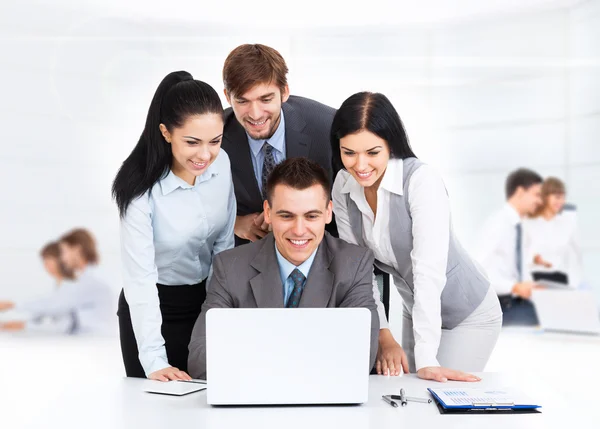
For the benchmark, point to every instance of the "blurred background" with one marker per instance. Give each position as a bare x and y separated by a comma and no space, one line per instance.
483,88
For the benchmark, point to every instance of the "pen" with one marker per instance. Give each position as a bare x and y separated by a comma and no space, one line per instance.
402,398
412,399
389,401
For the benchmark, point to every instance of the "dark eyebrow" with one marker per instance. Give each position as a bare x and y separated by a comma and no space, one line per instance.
199,140
271,94
368,150
304,214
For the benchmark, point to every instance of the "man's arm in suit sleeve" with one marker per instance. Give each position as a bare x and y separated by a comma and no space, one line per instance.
217,296
360,294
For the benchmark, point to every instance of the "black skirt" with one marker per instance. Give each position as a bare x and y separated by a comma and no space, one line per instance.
180,308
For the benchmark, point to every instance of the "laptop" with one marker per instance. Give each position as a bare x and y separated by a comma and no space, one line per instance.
287,356
571,311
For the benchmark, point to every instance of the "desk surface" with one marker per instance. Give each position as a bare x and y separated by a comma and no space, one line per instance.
79,386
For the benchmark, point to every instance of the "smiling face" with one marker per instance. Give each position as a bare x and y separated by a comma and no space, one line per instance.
195,145
298,219
365,156
259,109
555,202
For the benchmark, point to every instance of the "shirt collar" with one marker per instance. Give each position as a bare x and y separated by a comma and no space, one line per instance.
286,267
171,182
512,214
392,180
277,140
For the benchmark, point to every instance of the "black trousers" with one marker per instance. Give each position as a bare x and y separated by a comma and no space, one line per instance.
517,311
180,308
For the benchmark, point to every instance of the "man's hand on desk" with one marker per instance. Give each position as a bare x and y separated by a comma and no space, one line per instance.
169,373
249,227
390,355
442,374
524,289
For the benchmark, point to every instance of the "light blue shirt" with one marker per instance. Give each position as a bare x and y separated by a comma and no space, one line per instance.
286,268
258,156
169,235
88,298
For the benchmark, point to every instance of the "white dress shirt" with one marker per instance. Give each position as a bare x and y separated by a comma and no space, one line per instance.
497,249
169,236
88,299
557,241
430,211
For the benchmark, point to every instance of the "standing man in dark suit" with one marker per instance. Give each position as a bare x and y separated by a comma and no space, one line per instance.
264,126
297,265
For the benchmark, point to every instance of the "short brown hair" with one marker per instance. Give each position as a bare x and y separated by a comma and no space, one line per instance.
50,250
83,238
523,178
298,173
250,65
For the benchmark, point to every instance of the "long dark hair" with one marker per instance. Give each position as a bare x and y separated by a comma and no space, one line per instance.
177,97
374,112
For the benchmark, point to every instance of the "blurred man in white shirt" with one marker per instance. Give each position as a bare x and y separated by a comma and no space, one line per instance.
501,247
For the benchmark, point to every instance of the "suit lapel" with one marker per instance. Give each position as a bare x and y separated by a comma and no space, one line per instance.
237,147
266,286
296,142
319,284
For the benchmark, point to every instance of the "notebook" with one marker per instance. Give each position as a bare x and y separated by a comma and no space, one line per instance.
175,387
476,399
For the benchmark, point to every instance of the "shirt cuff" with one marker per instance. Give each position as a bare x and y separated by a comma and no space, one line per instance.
158,364
383,322
424,357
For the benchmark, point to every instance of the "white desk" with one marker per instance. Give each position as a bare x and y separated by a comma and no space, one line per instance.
79,384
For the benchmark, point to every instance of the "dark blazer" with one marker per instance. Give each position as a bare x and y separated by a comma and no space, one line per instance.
307,128
248,277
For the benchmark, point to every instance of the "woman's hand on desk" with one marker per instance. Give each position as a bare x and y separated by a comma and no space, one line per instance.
390,356
170,373
442,374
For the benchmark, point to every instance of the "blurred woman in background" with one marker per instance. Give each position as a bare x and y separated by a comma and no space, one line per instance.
551,240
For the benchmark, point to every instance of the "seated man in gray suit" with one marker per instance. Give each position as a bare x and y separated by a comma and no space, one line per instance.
297,265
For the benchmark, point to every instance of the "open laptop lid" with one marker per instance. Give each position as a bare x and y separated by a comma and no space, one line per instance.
288,356
567,311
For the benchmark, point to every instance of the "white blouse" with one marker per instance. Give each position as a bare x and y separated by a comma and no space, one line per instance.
557,242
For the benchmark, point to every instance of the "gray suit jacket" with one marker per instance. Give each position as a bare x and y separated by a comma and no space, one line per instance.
307,128
248,277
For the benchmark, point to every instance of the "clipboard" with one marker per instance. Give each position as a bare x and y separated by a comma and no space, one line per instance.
482,401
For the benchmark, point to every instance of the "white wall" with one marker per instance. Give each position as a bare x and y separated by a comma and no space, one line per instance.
478,98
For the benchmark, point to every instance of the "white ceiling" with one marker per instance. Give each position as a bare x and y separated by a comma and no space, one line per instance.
312,13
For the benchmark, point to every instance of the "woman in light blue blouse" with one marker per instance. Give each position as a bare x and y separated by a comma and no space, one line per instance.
177,207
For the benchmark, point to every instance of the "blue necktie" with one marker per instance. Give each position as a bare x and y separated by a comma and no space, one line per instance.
267,168
518,253
298,279
74,327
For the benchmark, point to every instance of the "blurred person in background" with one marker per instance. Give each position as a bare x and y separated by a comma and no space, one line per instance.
501,248
177,209
82,302
389,201
50,255
551,238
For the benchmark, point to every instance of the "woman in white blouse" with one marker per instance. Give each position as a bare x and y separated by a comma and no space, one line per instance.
551,238
177,207
389,201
